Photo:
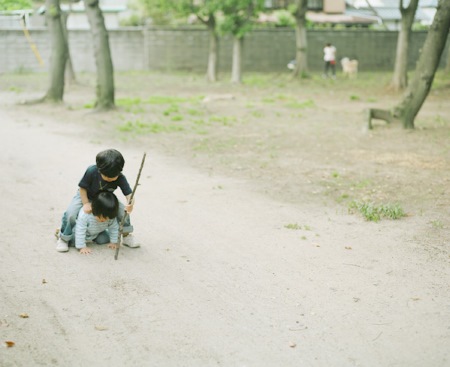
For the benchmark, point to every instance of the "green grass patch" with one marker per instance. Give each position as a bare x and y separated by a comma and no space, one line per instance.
374,213
224,120
139,127
128,102
177,118
268,100
257,114
173,108
309,103
437,224
296,227
158,100
15,89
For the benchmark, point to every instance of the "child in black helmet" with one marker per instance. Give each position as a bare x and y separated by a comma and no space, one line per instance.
100,226
105,175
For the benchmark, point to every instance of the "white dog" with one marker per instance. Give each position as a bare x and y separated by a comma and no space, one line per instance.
349,67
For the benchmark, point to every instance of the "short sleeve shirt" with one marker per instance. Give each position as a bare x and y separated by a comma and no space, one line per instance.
93,183
329,53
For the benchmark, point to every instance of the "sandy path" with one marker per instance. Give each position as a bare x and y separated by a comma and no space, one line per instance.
219,279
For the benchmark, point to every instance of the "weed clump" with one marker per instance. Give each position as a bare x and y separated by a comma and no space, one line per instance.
374,213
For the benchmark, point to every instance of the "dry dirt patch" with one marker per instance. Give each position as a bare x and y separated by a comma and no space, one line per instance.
228,276
297,141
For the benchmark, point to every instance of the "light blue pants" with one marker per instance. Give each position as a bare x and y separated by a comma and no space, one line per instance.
69,218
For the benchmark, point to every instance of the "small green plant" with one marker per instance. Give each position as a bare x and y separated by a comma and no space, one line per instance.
362,184
296,226
172,108
15,89
126,102
268,100
374,213
165,100
194,112
354,98
257,114
139,127
309,103
177,118
89,105
437,224
130,104
293,226
224,120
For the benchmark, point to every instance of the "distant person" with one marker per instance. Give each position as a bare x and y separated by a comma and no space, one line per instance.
291,64
105,175
329,56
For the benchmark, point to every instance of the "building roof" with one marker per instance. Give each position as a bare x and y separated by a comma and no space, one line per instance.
389,10
347,18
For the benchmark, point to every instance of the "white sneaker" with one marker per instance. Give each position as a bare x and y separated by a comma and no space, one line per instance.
62,246
129,241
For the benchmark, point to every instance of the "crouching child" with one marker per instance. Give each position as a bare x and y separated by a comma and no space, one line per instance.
100,226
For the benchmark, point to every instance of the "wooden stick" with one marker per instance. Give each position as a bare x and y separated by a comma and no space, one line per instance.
126,213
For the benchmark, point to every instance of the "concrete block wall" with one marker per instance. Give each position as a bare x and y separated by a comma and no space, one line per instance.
157,48
127,50
272,49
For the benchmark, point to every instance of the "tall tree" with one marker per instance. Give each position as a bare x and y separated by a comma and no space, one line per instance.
205,11
105,71
416,93
298,9
400,77
161,11
59,51
238,18
447,66
70,73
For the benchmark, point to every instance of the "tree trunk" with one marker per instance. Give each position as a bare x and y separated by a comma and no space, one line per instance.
211,74
103,61
59,52
70,74
400,77
447,66
427,65
236,71
301,61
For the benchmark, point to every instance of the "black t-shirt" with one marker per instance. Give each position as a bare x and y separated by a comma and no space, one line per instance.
93,183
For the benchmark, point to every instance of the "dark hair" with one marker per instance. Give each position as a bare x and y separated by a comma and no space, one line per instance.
110,162
105,204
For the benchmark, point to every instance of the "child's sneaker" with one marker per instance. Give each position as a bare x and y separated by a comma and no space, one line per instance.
129,241
62,246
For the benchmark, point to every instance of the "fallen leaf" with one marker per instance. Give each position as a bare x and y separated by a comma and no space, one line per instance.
24,315
9,344
348,247
100,328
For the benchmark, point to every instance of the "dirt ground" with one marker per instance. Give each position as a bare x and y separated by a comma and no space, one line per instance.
251,254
